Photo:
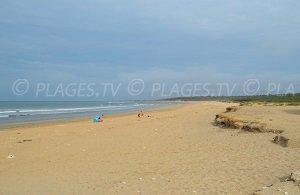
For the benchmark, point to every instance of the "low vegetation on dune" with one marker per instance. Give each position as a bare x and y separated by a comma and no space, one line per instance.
278,100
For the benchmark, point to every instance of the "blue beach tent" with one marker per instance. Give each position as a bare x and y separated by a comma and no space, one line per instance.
96,118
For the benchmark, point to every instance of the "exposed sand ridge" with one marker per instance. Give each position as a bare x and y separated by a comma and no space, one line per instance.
262,119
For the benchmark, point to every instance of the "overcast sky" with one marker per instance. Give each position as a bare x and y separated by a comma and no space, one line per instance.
157,41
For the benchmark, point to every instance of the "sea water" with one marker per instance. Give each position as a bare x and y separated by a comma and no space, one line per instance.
19,112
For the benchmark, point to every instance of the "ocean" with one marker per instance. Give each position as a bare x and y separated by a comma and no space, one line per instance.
17,113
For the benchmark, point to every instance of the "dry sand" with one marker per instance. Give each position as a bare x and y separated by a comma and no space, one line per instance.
176,151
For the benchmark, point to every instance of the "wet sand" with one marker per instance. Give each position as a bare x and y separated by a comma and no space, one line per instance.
175,151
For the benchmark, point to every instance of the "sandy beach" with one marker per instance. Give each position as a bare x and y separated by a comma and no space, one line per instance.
177,150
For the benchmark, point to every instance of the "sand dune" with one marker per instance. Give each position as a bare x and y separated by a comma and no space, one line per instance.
175,151
281,120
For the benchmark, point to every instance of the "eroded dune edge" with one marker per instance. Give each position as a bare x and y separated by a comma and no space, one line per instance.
259,119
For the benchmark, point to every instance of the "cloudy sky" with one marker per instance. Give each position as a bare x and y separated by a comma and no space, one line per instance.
65,41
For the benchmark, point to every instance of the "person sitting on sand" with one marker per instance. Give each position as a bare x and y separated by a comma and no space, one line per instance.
101,118
140,114
98,118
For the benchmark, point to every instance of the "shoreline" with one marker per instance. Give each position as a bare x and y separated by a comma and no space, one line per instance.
39,123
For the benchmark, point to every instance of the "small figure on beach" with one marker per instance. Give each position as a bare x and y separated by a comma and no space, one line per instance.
98,118
140,114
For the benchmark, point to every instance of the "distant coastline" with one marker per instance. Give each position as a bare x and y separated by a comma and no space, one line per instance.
288,99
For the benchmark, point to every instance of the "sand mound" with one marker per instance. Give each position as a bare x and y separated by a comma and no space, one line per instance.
258,118
225,121
281,140
232,108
